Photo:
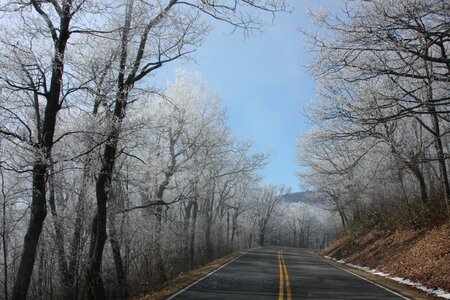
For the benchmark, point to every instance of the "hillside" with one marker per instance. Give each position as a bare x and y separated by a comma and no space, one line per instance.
418,255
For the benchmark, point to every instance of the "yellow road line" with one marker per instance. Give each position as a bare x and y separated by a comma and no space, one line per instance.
284,278
281,289
286,274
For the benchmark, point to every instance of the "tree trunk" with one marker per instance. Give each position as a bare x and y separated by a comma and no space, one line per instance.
441,158
162,277
94,288
209,248
342,214
228,230
445,186
414,168
75,252
31,240
118,262
4,244
209,214
65,277
295,235
75,245
261,238
187,220
233,229
41,273
192,237
160,268
45,144
307,236
94,283
262,234
402,184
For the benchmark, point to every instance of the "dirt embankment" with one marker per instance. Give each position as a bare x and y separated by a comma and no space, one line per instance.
419,255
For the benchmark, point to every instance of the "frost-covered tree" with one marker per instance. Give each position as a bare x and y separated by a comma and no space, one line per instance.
383,102
89,59
35,87
267,202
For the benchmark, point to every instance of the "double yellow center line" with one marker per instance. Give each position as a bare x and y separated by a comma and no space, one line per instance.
284,278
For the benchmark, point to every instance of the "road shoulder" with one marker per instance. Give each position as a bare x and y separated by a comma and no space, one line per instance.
397,287
184,280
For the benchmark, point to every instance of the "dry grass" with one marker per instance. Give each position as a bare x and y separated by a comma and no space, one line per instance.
419,255
184,279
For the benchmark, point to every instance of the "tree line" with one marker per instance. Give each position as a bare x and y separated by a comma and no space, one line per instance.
109,185
379,150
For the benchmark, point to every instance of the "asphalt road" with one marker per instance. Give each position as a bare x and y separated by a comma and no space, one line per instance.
282,273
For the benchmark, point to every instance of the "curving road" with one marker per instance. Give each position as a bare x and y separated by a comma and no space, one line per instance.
283,274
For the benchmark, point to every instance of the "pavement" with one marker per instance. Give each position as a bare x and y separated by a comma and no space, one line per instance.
284,274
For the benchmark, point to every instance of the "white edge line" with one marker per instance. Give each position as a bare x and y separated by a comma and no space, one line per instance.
379,285
205,276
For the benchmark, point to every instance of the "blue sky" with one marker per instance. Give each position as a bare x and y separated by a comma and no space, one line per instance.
263,85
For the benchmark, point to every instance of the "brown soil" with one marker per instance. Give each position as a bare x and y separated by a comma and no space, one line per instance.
419,255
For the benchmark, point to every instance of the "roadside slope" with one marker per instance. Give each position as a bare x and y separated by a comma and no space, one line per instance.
419,255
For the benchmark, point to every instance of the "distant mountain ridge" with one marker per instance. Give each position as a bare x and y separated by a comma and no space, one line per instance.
310,198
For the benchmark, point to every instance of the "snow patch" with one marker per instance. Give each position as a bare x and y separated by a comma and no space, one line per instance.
437,292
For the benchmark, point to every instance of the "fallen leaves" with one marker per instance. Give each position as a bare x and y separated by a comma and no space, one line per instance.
419,255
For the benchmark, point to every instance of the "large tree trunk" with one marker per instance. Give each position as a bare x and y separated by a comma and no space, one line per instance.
93,280
38,203
94,283
445,186
38,214
441,158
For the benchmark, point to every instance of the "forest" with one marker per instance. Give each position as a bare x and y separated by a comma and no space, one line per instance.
379,148
109,185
